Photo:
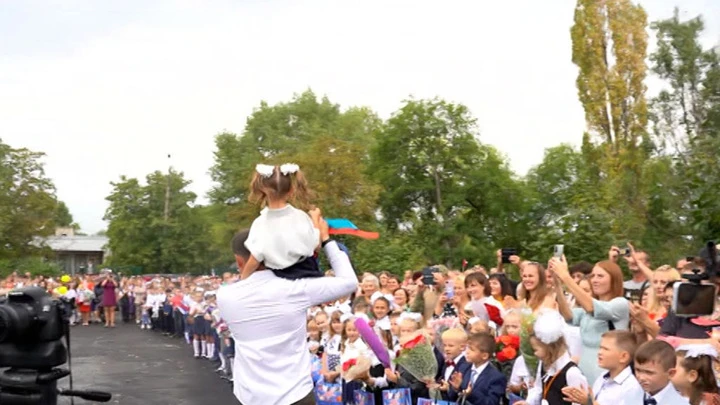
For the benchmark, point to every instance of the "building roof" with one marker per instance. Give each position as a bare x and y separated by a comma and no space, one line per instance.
77,243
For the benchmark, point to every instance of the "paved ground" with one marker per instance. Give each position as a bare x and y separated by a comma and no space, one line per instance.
140,367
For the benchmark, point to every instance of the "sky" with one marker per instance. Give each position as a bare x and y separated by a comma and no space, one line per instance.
111,88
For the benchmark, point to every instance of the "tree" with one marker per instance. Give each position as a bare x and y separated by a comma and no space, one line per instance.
565,208
143,234
438,180
330,146
686,125
63,217
609,48
27,202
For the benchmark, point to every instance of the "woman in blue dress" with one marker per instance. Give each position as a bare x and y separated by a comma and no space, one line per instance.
603,310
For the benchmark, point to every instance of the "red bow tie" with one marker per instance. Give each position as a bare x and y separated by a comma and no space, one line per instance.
450,363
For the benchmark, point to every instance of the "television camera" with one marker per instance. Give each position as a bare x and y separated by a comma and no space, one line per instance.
32,328
694,297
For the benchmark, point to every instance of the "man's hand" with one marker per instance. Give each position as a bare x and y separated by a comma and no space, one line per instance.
324,230
614,253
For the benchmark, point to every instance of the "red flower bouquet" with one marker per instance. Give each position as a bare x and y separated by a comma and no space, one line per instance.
507,348
354,369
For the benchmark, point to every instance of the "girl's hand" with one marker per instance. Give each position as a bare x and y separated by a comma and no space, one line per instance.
515,260
391,376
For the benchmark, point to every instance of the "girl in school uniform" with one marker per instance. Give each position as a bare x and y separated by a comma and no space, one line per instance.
331,354
352,347
410,323
210,336
695,376
381,306
197,314
555,369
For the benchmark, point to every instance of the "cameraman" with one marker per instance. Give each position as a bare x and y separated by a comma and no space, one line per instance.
678,330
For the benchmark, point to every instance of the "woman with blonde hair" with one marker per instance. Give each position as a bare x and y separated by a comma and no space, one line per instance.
660,278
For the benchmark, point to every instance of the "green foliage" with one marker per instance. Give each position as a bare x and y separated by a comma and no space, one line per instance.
141,235
34,265
27,202
425,181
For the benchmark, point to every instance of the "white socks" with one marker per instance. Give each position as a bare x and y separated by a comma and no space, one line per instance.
223,362
210,350
187,337
197,344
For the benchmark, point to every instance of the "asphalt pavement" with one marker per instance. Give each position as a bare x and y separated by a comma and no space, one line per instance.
142,367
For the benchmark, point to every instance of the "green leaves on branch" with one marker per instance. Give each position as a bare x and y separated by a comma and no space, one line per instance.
143,234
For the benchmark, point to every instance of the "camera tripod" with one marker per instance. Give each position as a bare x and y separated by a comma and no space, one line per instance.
39,387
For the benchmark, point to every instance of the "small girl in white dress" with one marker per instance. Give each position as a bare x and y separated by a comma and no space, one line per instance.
283,237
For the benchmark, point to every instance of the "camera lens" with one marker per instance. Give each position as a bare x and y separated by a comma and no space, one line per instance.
14,322
5,325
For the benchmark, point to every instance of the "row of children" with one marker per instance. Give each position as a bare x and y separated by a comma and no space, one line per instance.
469,370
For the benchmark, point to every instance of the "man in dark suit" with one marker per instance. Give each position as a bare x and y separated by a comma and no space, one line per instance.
480,383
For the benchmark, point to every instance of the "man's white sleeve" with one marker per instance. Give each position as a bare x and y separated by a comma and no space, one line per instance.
325,289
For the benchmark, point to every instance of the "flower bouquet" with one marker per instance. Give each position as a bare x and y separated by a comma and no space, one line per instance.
353,369
526,329
506,350
418,358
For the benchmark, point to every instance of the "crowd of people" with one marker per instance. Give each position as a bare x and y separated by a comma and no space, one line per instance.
176,306
583,335
286,333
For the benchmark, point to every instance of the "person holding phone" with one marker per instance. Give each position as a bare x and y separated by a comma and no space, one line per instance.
603,310
109,299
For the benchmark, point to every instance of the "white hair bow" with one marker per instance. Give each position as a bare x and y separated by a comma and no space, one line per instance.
388,297
549,326
345,317
289,168
344,308
473,320
417,317
697,350
264,170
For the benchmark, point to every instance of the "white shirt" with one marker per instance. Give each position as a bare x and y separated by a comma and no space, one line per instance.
282,237
520,372
450,369
574,378
615,390
666,396
476,371
266,317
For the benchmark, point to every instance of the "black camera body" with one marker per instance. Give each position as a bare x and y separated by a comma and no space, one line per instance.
32,326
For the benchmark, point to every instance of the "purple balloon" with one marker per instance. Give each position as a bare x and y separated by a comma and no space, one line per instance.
372,340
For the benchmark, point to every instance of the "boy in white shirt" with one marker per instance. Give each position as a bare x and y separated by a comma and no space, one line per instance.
617,349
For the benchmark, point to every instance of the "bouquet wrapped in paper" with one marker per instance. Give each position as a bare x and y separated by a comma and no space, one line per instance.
417,357
354,369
